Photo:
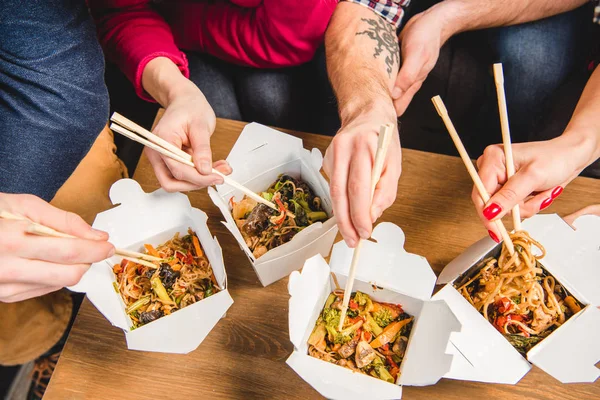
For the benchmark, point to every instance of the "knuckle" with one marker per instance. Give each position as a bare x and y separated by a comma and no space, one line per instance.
73,277
72,220
493,151
177,174
354,188
508,194
72,255
336,191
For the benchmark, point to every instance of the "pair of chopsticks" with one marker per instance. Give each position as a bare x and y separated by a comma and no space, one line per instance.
385,136
485,196
133,131
35,228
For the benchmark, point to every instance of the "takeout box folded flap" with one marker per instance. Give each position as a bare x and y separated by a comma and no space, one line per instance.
385,263
465,260
572,256
482,353
335,382
140,218
570,353
260,148
426,360
308,291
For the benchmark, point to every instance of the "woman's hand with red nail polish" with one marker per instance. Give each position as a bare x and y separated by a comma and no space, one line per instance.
543,169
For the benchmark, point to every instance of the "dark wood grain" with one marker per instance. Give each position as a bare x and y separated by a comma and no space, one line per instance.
244,356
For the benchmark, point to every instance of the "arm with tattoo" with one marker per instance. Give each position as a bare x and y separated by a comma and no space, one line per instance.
362,62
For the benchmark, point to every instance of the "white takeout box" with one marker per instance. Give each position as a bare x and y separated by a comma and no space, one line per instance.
154,218
571,351
402,278
258,157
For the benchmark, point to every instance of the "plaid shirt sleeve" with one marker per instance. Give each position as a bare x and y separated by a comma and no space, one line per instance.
391,10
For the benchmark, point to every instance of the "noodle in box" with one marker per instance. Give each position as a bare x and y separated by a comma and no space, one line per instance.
540,310
169,305
278,168
394,334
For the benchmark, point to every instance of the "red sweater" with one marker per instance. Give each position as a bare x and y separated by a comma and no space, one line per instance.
256,33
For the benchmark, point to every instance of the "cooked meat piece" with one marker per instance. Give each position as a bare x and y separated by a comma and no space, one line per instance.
147,317
258,220
364,354
348,348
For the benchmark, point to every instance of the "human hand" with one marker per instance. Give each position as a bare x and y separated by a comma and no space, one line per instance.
188,123
348,163
420,44
543,169
33,265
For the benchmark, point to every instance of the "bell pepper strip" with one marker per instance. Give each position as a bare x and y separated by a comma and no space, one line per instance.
199,252
151,250
231,202
504,305
389,332
160,290
353,305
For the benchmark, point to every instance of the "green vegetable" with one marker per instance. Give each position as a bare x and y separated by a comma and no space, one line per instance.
208,292
523,344
516,299
160,290
351,313
361,299
372,326
315,216
380,369
330,300
267,196
383,317
138,304
331,316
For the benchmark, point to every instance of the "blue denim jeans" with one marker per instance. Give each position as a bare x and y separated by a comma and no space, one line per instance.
53,100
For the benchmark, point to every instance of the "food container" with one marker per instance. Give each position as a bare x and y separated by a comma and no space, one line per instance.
154,218
387,273
569,353
258,157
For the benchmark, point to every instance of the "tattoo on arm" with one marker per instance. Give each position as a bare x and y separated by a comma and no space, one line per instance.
384,35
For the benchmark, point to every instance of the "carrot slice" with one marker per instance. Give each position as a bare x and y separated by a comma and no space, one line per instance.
199,252
151,250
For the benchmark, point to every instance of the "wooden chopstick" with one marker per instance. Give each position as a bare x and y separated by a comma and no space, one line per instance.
133,131
503,110
35,228
385,136
485,196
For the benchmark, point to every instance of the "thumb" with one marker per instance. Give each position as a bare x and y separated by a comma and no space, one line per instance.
199,136
408,74
514,191
43,213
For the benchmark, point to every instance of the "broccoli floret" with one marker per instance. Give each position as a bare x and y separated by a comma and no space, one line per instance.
331,316
361,299
338,337
383,317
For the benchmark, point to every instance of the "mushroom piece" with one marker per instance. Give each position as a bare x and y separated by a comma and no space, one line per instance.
364,354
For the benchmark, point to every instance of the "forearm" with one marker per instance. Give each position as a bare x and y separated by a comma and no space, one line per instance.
584,124
466,15
163,80
362,59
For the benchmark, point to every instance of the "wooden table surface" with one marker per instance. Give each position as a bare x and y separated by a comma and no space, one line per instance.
244,356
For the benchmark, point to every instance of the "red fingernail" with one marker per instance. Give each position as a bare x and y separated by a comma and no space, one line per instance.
491,211
556,192
545,204
494,237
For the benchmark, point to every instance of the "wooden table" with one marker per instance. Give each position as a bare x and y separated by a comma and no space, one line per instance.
244,356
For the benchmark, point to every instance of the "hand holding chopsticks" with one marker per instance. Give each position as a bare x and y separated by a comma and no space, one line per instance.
138,134
485,196
35,228
385,136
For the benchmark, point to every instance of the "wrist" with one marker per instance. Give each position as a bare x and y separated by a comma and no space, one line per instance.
374,108
454,16
586,144
162,79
